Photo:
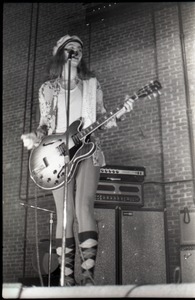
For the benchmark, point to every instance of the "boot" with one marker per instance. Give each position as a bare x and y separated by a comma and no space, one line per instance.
88,242
69,261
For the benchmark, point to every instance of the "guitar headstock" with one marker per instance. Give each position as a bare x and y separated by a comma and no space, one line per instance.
152,88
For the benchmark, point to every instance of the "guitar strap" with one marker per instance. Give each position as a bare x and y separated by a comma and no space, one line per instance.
89,116
89,101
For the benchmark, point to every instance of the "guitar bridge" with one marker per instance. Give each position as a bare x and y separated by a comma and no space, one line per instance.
38,170
41,167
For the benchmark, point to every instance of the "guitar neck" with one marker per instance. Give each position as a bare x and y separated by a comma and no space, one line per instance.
149,89
101,121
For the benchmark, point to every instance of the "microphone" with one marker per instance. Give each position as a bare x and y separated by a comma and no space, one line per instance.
72,53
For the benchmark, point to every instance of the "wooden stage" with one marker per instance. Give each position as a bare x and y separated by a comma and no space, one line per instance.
18,291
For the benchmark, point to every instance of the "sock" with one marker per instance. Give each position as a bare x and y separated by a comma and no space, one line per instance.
69,260
88,242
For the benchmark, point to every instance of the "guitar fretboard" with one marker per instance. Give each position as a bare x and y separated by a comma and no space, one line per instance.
147,90
102,120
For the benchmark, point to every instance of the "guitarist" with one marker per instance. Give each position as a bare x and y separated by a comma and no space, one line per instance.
86,101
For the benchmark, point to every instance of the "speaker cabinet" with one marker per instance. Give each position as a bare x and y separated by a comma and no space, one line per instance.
105,271
187,259
105,267
143,247
187,227
131,248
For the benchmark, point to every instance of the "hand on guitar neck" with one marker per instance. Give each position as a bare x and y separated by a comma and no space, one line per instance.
128,106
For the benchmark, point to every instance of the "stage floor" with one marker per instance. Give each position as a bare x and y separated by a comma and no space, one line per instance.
18,291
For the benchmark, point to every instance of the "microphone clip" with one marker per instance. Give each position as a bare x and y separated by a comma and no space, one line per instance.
71,53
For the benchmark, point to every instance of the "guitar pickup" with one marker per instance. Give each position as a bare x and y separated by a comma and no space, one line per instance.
45,161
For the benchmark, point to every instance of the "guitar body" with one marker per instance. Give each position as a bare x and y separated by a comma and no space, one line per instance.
47,161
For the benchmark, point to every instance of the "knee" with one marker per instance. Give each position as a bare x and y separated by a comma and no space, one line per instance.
68,215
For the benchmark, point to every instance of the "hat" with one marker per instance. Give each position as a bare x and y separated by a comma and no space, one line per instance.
61,43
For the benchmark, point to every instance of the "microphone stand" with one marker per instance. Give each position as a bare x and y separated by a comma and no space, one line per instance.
50,234
66,161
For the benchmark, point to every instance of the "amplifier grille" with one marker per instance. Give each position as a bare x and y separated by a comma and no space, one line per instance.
130,189
120,193
119,198
106,187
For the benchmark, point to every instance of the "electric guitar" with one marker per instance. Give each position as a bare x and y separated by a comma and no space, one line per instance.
47,160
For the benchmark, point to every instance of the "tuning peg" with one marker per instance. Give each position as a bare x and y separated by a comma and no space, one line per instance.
155,94
135,96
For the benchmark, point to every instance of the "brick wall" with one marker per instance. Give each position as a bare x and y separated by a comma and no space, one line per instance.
127,47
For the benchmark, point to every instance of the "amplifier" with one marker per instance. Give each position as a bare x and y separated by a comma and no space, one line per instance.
122,173
187,261
120,193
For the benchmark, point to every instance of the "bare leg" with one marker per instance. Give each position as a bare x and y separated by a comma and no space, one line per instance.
86,186
70,241
87,181
59,202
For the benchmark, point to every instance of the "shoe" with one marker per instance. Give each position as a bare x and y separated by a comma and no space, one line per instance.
87,282
69,282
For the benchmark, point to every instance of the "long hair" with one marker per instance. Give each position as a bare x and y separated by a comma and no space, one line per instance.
55,67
